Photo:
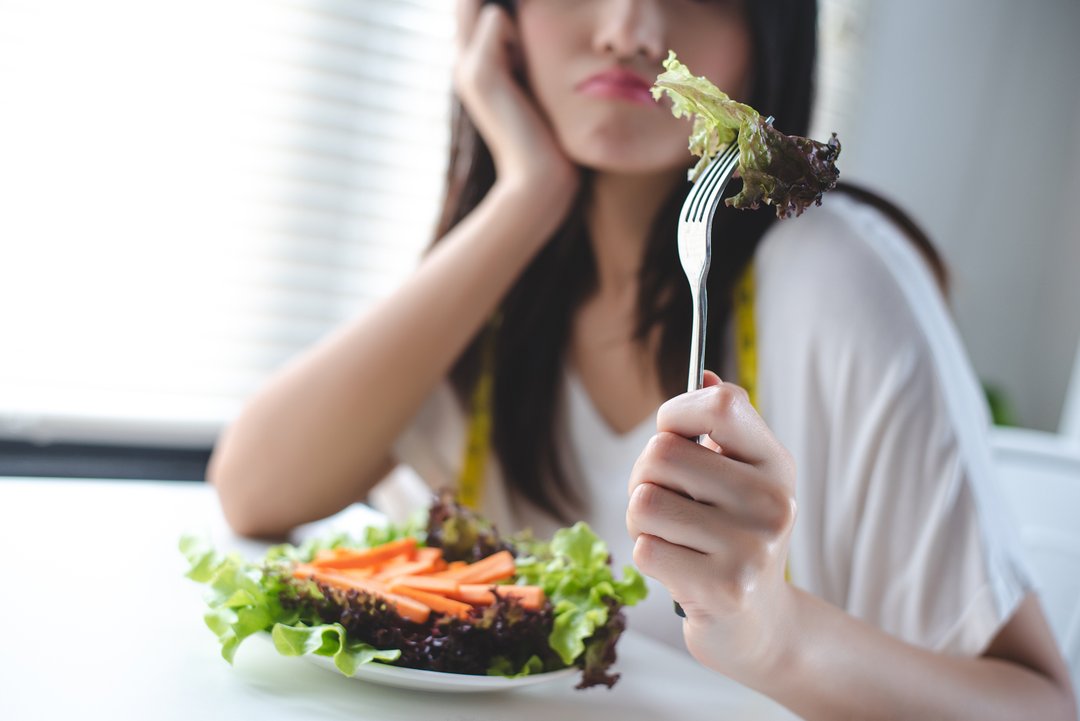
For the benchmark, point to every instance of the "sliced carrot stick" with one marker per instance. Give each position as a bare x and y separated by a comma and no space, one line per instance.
429,552
407,607
363,557
441,586
438,603
390,571
530,597
496,567
303,570
474,595
451,571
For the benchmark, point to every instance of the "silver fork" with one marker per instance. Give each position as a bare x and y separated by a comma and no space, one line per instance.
695,253
695,247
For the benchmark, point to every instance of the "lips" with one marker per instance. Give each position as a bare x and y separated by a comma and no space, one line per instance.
618,84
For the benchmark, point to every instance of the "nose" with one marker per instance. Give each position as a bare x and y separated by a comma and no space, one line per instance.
627,28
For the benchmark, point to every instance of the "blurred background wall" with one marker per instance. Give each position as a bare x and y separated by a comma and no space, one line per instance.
968,113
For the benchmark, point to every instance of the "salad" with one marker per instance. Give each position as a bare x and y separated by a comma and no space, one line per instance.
789,172
443,593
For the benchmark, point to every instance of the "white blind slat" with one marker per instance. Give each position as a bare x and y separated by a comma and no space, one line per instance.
194,191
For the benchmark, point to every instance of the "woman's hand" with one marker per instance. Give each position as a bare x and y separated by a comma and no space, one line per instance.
712,522
527,156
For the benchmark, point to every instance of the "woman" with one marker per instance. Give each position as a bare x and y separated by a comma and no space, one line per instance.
555,281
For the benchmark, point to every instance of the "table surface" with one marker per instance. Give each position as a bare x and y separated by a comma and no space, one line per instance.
100,622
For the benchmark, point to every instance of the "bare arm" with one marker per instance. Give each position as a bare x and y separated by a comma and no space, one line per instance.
714,528
841,667
319,435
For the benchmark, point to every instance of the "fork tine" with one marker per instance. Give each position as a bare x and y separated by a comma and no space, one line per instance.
709,184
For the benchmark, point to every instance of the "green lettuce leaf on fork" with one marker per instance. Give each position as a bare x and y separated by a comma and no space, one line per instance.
789,172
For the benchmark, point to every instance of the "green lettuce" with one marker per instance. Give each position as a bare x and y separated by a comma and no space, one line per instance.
580,626
328,639
788,172
576,576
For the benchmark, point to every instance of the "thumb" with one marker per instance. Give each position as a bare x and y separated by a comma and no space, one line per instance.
708,380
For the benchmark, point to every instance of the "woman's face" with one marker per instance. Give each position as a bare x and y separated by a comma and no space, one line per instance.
590,63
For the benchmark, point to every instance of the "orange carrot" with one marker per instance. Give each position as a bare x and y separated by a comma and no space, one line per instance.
496,567
304,571
408,568
429,552
474,595
407,607
364,557
530,597
452,569
432,584
436,602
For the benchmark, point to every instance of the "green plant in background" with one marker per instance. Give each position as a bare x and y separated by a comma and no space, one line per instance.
1001,408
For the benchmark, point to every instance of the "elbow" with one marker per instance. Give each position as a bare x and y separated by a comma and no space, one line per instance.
1070,710
244,512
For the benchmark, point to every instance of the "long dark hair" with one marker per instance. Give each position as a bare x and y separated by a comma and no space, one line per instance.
532,336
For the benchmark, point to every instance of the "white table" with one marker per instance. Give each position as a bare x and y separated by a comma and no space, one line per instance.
98,621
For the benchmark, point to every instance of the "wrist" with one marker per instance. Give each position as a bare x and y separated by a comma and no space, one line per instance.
538,203
779,655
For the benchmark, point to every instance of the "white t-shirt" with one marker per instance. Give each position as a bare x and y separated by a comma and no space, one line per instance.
864,380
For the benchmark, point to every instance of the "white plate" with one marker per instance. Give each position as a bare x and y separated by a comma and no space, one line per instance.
417,680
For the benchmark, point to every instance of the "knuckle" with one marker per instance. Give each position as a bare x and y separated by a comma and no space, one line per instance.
737,587
663,447
723,400
644,552
644,501
779,512
787,465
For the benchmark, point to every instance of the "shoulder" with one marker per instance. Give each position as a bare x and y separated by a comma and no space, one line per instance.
844,271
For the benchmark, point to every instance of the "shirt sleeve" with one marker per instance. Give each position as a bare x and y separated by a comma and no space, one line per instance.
863,377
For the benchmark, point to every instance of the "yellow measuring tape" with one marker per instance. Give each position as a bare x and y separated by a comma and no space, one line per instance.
478,434
746,346
746,333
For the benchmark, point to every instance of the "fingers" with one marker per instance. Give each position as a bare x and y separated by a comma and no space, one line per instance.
658,511
699,474
722,412
706,584
467,12
674,474
484,80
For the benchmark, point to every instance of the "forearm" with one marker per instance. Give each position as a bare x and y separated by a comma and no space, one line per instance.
320,433
841,667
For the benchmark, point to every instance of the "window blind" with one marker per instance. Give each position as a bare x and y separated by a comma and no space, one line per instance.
191,192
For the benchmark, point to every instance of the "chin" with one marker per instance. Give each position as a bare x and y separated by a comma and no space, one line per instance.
631,150
626,158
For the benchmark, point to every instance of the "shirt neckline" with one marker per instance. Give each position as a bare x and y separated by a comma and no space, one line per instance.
579,395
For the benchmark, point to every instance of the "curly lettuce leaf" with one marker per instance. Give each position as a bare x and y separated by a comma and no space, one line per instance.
574,571
788,172
328,639
244,598
461,533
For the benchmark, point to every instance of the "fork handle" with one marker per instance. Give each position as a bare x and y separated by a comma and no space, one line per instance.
696,376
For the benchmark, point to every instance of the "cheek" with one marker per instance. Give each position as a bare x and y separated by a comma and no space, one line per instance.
544,43
723,56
